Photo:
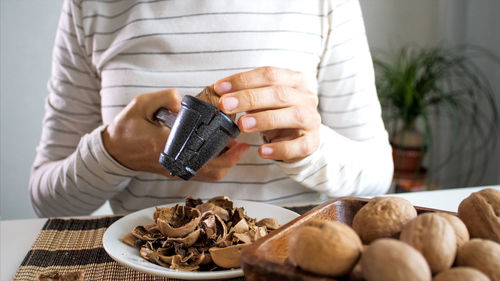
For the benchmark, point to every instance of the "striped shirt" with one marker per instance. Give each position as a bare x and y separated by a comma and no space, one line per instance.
107,52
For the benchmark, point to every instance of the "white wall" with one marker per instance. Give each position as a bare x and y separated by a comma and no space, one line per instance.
27,34
477,23
391,24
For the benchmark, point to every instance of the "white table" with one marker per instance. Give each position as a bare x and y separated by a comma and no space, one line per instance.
17,236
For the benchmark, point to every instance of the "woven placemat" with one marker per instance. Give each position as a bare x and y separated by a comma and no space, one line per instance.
72,245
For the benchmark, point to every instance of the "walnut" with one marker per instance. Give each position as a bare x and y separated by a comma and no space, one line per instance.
324,247
392,260
481,214
208,95
481,254
461,232
434,237
382,217
461,274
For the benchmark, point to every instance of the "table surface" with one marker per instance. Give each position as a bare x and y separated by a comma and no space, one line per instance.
17,236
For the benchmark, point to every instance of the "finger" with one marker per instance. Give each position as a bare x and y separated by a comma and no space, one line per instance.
261,77
232,143
148,104
290,150
231,156
228,146
281,135
266,98
216,169
284,118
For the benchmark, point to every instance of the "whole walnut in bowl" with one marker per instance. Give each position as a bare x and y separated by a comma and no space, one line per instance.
481,214
461,232
434,237
461,273
391,260
324,247
382,217
481,254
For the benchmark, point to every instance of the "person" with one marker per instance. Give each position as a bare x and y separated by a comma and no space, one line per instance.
298,74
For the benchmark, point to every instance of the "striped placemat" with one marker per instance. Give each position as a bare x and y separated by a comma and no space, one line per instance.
75,245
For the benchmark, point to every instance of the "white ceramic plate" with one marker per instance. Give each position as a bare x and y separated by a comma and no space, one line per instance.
129,256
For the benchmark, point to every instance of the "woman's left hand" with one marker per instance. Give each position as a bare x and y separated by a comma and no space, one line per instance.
279,105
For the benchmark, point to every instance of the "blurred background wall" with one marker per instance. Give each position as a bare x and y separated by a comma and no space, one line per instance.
391,24
27,30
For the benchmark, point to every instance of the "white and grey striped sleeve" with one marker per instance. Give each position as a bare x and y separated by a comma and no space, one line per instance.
354,157
72,173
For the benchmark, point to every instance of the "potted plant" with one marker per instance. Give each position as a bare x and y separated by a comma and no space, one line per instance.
423,87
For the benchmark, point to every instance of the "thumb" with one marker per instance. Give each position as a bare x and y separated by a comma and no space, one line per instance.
234,153
149,103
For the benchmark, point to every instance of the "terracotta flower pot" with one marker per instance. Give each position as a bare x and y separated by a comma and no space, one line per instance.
407,159
408,150
409,174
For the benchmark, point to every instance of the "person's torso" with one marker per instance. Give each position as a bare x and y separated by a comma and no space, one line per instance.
138,47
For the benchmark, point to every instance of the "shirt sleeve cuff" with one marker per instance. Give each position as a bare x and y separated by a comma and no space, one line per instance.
103,158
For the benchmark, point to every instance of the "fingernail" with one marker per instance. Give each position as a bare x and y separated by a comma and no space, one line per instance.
249,122
266,150
229,103
222,87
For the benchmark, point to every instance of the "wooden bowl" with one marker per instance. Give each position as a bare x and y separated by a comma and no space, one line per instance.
266,258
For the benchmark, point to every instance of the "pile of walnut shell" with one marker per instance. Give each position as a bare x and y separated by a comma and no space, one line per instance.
389,241
198,236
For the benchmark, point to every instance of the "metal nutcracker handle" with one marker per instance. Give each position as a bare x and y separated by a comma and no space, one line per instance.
166,116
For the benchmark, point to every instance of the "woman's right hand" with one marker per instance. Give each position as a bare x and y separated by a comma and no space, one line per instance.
135,139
